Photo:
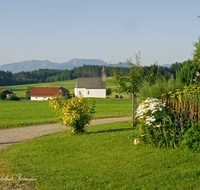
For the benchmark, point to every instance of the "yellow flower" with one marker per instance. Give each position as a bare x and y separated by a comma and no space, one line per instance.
169,92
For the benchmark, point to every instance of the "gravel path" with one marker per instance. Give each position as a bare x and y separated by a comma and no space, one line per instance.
16,135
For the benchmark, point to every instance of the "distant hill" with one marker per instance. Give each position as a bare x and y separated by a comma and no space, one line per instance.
166,65
32,65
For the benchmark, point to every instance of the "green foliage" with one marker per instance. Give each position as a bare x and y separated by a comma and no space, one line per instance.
28,90
176,67
196,53
74,113
191,138
187,72
128,83
3,95
150,76
14,97
155,90
108,91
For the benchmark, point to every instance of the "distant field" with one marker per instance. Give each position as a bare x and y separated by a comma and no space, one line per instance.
21,89
69,84
26,113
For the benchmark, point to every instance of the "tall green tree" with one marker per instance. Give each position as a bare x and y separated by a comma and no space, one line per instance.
196,53
28,90
188,71
129,82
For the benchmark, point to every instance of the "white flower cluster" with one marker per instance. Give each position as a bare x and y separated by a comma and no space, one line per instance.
149,105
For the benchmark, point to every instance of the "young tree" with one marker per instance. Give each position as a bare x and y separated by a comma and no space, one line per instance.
28,90
129,83
75,112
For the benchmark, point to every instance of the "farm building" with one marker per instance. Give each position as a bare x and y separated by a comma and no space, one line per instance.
7,92
93,87
44,93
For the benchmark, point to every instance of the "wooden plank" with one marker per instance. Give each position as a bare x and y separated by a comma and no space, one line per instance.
198,110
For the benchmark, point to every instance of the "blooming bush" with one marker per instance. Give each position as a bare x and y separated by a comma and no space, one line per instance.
186,101
75,113
159,125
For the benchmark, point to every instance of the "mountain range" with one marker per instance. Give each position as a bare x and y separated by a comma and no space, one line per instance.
32,65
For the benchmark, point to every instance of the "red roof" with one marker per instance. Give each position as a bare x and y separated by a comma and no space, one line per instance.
6,91
47,91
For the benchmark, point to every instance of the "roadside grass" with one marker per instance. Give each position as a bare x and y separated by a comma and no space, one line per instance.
26,113
104,157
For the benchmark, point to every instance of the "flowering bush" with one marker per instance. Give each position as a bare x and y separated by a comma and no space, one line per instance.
159,125
74,113
186,103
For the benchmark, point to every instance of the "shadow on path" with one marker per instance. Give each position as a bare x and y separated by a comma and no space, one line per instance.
10,142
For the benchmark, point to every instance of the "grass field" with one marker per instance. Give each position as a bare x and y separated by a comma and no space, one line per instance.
20,90
26,113
103,158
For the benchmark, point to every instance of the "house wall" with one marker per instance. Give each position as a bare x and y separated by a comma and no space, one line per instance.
8,95
90,93
40,98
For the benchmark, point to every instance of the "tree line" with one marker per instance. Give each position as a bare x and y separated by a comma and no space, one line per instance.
52,75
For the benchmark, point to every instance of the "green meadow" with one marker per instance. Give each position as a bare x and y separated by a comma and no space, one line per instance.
104,157
20,90
26,113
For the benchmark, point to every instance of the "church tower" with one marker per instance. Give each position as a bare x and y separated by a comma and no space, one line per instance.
103,74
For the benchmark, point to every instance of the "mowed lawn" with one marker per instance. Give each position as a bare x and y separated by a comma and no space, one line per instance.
104,157
26,113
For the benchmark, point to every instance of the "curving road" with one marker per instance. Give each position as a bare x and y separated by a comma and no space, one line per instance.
16,135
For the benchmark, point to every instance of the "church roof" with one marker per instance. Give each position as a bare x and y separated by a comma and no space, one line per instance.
90,83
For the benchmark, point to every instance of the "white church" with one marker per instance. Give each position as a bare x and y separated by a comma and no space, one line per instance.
91,87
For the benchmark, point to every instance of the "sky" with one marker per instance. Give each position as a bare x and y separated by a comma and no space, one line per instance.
110,30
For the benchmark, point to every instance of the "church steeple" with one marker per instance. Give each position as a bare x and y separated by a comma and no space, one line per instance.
103,74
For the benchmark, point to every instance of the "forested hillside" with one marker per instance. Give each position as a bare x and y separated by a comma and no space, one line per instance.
51,75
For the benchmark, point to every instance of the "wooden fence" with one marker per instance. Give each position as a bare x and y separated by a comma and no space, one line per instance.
190,106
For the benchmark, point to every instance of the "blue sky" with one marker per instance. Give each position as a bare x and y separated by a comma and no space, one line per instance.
110,30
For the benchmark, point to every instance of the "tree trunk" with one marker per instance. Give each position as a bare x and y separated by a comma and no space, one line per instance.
133,113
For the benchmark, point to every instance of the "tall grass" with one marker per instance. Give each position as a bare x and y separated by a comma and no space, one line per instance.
155,90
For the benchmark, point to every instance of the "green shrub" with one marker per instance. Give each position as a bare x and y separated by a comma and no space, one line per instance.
191,138
3,95
14,97
108,91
